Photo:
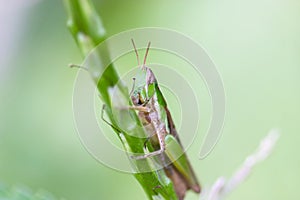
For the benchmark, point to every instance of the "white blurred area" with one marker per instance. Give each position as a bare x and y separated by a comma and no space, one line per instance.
12,23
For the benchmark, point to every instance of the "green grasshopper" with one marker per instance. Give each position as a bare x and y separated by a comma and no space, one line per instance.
147,99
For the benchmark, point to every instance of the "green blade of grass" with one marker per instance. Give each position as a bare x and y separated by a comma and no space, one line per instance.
87,29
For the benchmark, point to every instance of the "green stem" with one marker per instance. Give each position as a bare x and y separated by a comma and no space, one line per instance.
87,29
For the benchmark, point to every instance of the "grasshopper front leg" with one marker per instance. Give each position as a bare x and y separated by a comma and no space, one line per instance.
107,122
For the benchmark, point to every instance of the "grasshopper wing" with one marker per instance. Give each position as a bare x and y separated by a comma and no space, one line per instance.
178,157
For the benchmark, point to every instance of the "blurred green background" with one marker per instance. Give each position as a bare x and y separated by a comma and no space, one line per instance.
254,44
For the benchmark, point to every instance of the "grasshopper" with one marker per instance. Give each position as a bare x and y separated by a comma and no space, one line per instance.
147,99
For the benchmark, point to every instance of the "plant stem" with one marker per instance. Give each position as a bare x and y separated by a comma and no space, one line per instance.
87,29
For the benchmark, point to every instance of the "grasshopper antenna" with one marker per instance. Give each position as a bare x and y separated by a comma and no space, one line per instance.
136,53
146,54
133,85
78,66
